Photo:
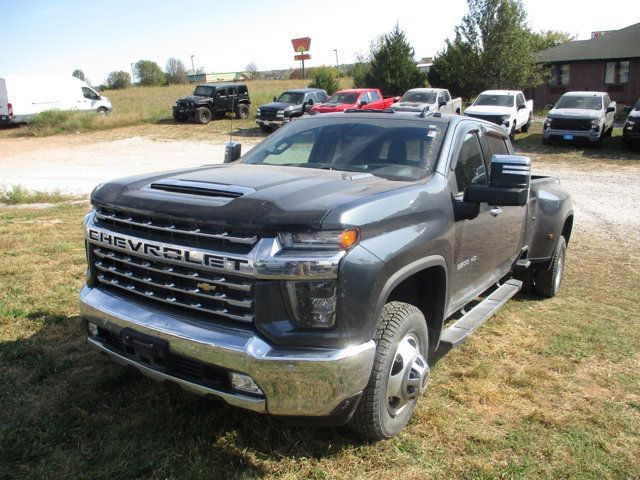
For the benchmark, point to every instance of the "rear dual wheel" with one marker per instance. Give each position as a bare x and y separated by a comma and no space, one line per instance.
399,376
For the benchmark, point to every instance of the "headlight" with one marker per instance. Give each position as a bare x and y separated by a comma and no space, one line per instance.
506,119
175,104
280,113
547,122
323,240
595,123
258,111
312,304
629,124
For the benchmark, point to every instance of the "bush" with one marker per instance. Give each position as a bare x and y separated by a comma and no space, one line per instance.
325,78
118,80
149,73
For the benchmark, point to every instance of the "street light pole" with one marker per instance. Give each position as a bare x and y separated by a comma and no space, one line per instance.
193,69
133,77
337,68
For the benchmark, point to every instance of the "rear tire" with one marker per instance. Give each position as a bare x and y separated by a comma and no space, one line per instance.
525,127
242,111
203,115
399,375
512,133
549,277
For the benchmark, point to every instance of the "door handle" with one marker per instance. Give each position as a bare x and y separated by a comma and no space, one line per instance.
495,211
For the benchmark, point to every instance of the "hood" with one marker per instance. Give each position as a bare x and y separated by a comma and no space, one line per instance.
411,106
574,113
193,98
634,115
489,110
261,197
333,107
278,105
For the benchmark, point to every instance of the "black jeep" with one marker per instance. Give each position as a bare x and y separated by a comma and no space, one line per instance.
211,99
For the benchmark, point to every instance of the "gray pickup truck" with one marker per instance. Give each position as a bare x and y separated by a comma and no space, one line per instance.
318,277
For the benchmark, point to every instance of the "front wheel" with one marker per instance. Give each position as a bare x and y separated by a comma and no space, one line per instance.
548,280
400,373
203,115
103,112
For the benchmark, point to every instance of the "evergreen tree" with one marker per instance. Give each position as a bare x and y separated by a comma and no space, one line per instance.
393,68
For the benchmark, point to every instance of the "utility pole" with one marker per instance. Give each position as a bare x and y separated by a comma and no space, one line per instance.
193,69
133,77
337,68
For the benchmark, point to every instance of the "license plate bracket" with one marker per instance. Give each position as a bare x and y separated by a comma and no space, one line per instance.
148,350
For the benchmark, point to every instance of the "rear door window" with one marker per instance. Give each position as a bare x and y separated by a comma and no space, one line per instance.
374,96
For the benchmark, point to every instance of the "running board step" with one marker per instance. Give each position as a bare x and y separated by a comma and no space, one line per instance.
458,332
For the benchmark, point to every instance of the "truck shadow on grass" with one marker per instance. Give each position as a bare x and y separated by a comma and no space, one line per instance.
66,405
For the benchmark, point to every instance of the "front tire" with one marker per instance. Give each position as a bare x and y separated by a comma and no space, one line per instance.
400,373
549,279
103,112
203,115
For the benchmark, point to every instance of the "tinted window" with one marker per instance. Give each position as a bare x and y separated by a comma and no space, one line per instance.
242,90
222,92
342,98
232,90
204,91
470,168
497,146
290,97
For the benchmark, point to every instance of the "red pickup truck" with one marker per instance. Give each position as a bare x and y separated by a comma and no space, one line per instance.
361,98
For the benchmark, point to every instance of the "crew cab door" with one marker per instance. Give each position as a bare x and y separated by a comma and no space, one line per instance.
509,222
222,102
472,247
523,113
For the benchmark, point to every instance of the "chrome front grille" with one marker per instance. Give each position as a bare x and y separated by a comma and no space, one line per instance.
219,296
166,228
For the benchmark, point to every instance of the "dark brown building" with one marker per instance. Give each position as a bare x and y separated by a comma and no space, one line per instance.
607,63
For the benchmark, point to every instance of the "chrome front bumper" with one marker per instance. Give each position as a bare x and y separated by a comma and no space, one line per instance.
309,382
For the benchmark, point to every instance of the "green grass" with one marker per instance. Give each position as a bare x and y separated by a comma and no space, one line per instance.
546,389
19,195
148,105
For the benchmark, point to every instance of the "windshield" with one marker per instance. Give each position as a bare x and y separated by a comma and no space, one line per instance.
289,97
494,100
582,102
342,98
419,97
204,91
393,149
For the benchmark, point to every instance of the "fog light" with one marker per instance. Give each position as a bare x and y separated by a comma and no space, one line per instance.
244,383
312,304
93,329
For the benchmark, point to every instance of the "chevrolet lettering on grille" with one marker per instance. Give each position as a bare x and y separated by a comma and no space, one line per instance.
171,253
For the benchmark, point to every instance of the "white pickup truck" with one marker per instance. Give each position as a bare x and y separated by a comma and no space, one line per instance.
503,107
580,117
435,99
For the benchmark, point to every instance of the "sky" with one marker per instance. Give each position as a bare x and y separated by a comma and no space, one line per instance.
58,36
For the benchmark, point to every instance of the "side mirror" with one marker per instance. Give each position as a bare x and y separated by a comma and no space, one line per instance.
310,101
508,183
232,152
275,99
363,103
442,103
520,107
611,109
626,109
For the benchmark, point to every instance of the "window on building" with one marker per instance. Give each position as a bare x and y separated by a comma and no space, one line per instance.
560,74
616,72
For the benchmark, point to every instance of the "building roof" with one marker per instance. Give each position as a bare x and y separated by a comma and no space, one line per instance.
621,44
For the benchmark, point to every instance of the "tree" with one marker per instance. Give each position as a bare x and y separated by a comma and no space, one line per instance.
149,73
251,70
551,38
324,78
493,48
175,72
78,74
118,80
393,68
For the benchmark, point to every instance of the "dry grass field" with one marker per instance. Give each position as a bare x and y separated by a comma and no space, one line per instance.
546,389
151,105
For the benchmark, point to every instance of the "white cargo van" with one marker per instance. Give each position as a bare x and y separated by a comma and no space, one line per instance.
23,96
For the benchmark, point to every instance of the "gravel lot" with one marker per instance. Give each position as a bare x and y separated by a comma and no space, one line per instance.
605,193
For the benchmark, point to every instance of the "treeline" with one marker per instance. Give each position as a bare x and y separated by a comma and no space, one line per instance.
147,73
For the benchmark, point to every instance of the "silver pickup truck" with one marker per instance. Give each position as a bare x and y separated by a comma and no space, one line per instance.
433,99
580,117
